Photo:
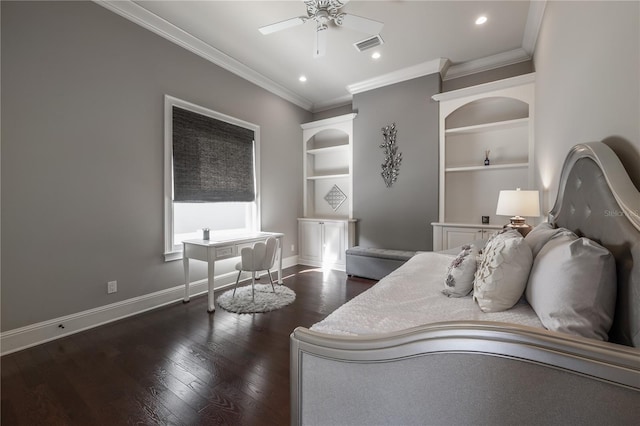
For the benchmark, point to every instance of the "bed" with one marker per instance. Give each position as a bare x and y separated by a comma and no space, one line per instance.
393,356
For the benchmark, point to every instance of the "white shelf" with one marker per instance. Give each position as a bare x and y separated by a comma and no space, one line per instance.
497,125
327,150
487,168
335,176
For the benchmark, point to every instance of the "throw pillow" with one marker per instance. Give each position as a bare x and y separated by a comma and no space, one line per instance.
459,279
502,275
541,234
572,287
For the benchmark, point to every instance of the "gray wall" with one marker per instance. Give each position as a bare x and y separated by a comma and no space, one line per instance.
333,112
398,217
82,156
587,84
500,73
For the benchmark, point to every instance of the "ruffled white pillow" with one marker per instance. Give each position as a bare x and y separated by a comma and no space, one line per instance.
502,274
459,279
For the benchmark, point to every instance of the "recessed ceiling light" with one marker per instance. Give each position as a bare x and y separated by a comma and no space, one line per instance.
481,20
302,78
376,55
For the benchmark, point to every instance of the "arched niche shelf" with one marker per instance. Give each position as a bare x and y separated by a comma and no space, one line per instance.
493,122
327,138
487,110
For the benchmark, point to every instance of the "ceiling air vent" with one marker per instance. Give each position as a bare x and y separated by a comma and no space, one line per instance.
368,43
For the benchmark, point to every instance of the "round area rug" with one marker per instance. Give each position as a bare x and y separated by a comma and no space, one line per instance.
265,299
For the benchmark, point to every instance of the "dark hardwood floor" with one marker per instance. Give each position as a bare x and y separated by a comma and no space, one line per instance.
174,365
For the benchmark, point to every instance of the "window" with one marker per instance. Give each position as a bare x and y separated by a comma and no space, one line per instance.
211,174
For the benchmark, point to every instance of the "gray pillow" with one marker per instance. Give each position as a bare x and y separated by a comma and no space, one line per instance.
572,287
541,234
502,274
459,279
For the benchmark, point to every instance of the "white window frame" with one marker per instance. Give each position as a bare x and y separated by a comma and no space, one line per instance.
173,251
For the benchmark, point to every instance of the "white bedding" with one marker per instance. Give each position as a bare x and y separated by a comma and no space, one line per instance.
411,296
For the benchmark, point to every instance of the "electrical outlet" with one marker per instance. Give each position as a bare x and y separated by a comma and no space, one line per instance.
112,287
293,247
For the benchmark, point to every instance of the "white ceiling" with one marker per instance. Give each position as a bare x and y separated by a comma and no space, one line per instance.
419,38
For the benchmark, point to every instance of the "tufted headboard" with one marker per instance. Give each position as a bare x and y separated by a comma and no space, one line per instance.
597,200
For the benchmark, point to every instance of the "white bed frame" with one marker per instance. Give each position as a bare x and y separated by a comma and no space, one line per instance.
487,372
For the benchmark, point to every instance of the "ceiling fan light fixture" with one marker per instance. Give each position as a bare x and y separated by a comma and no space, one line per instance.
320,47
279,26
324,13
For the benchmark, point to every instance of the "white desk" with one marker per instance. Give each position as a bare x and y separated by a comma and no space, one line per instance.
222,246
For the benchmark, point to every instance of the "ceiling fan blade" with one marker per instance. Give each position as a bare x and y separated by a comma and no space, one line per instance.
358,23
320,47
283,25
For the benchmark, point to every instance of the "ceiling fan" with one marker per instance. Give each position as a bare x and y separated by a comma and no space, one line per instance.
323,12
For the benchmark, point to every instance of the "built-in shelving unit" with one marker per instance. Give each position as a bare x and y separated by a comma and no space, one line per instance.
327,228
496,117
327,163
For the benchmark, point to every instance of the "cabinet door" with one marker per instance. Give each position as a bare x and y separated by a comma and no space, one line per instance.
454,237
310,240
333,251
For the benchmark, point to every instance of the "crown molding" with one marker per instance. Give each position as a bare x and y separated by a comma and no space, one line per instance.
425,68
152,22
532,28
487,63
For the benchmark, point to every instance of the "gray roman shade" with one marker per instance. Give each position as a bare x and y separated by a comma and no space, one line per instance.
212,159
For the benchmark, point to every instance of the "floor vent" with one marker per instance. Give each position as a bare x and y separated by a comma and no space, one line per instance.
368,43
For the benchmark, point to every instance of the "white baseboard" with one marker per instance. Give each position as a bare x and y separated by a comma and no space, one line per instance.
35,334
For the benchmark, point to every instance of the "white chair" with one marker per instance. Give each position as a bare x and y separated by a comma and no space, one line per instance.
258,258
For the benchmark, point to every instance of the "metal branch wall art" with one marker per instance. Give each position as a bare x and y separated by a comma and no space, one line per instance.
392,158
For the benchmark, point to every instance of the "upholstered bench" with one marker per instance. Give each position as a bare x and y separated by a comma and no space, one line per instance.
375,263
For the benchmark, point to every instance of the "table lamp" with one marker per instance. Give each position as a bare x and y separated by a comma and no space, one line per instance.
518,204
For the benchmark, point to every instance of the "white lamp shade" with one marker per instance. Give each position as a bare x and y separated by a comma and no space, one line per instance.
518,203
